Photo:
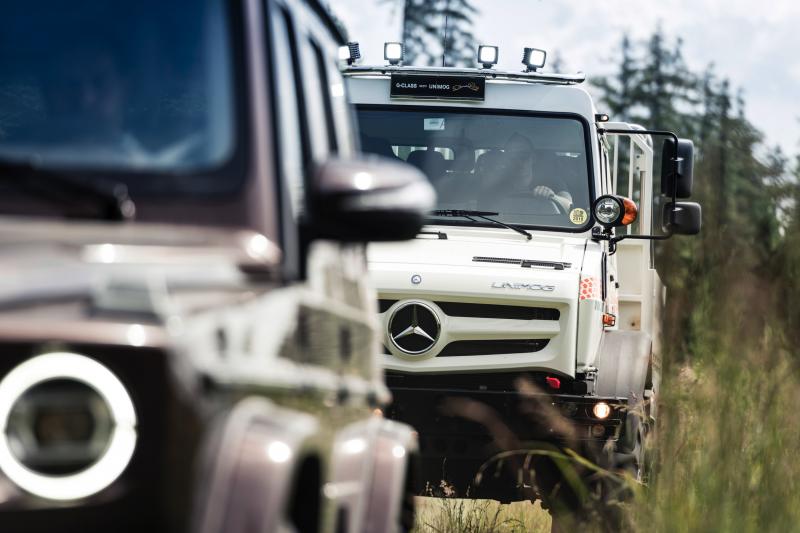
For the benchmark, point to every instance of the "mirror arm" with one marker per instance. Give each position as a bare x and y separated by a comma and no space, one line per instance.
599,234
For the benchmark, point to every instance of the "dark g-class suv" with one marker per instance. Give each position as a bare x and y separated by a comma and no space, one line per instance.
187,339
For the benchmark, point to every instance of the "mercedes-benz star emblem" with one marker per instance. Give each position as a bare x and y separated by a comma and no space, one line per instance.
414,328
416,279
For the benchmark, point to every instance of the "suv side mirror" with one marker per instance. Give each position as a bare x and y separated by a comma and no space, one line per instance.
369,199
685,168
688,218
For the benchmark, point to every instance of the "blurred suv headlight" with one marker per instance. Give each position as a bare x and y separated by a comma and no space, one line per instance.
67,426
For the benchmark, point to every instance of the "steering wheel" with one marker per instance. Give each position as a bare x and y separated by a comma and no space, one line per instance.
559,208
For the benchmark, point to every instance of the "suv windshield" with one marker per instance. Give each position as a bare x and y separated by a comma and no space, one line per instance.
531,170
132,88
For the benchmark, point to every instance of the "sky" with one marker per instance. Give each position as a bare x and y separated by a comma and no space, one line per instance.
756,44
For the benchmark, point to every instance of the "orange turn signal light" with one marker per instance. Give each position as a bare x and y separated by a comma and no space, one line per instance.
631,211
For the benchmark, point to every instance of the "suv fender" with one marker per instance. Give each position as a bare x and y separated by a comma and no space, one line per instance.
248,467
391,492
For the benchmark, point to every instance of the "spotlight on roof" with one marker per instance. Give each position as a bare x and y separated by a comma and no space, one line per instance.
393,53
533,59
351,52
487,55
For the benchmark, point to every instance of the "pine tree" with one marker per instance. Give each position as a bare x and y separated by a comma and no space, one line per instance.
617,90
424,36
740,190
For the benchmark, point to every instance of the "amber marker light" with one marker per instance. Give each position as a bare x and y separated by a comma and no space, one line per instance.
631,211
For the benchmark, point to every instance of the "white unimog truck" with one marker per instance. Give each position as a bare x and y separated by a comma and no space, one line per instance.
533,266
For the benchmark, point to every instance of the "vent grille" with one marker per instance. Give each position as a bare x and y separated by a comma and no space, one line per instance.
492,347
472,310
505,260
509,312
384,305
524,263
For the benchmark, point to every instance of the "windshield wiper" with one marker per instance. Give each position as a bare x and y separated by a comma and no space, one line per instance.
484,215
59,188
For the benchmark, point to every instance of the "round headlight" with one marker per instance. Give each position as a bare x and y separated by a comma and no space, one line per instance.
67,426
608,210
601,410
59,427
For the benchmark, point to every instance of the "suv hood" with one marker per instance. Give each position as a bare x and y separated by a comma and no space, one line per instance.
47,261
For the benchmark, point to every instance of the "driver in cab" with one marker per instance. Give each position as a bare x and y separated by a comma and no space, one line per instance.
512,174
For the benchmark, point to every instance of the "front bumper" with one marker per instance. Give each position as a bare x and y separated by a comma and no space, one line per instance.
465,420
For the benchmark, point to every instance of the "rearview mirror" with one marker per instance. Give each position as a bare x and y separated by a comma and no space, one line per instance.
685,168
369,199
686,220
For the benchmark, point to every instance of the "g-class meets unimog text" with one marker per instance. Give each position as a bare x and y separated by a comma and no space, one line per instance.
531,295
187,338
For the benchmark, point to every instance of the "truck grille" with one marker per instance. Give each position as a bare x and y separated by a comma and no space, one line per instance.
492,347
472,310
488,347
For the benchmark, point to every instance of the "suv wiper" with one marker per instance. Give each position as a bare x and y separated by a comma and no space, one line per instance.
484,215
59,188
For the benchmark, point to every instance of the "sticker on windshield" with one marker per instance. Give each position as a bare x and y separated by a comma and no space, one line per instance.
434,124
578,216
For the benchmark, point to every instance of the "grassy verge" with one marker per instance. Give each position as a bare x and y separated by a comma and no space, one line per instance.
728,456
451,515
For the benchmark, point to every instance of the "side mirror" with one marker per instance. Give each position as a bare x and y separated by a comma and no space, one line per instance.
685,168
686,219
368,199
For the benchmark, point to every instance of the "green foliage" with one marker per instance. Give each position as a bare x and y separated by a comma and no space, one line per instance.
424,36
740,183
729,422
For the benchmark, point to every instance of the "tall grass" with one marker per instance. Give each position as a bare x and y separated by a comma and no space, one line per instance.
729,439
727,452
451,515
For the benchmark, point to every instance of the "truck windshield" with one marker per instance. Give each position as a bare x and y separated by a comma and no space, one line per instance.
134,90
531,170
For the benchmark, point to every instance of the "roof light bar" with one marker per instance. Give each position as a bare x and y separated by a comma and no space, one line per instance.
393,53
487,55
533,59
351,52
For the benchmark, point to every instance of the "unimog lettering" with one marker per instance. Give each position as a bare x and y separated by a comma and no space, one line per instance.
518,286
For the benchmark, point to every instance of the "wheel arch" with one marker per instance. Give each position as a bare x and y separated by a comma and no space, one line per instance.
252,460
391,491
